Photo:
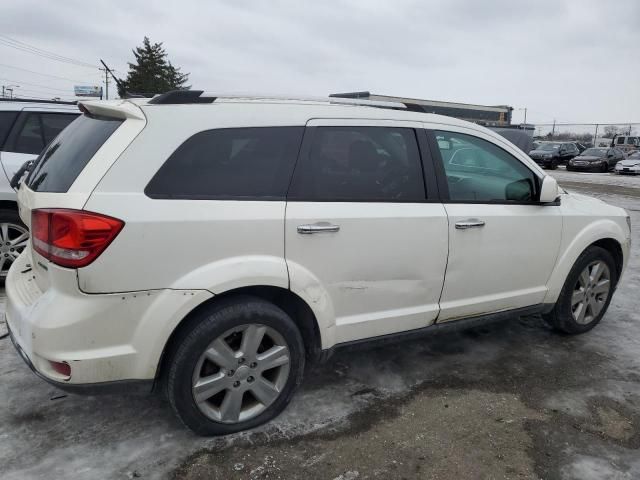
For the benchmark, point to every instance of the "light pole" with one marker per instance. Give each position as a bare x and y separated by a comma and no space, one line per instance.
525,114
8,88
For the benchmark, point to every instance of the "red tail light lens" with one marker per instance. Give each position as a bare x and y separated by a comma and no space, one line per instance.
72,238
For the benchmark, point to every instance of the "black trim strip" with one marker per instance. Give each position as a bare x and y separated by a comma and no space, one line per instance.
437,328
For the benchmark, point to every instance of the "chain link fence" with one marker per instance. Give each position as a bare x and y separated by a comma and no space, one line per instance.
596,134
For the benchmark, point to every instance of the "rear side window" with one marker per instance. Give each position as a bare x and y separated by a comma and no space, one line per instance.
30,138
365,164
230,163
6,122
63,160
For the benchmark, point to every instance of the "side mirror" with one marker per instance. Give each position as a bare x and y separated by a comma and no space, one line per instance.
549,191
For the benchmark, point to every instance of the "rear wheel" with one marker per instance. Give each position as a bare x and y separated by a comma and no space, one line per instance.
14,237
604,168
237,369
586,294
554,164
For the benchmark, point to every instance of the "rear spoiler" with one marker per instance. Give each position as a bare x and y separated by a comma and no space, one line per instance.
112,108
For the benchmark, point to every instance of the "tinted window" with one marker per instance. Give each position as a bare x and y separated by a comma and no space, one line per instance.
54,123
360,164
6,122
478,170
30,138
621,140
230,163
63,160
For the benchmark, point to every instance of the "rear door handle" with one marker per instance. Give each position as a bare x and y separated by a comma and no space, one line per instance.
320,227
471,223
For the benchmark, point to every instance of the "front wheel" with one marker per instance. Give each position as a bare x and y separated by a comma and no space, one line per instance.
554,164
237,369
586,293
604,168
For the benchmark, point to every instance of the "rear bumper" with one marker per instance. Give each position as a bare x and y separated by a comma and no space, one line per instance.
104,338
130,387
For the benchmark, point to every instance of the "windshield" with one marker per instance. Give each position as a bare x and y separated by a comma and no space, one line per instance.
549,147
66,156
595,152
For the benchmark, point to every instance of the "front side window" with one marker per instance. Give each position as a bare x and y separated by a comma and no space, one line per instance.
479,171
366,164
230,163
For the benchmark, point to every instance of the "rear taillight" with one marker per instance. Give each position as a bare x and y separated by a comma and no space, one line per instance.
72,238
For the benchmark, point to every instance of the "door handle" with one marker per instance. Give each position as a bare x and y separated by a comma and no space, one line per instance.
320,227
471,223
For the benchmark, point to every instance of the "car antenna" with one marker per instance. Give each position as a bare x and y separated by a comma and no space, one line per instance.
120,83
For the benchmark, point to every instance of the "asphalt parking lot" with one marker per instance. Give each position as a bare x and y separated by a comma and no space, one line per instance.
512,400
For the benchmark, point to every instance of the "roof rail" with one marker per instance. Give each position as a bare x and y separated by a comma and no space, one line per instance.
199,96
181,96
34,100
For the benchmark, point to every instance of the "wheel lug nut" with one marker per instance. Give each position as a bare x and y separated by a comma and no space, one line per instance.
241,360
253,365
231,372
236,384
250,379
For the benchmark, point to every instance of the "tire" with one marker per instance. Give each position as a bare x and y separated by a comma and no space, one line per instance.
563,316
604,168
554,164
233,319
11,226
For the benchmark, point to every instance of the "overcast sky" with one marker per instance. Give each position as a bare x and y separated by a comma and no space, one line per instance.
572,60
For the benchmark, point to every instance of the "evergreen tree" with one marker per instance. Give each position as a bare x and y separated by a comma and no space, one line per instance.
152,72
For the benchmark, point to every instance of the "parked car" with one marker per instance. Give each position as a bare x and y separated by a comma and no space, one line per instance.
581,147
552,154
596,159
626,143
630,166
212,246
25,128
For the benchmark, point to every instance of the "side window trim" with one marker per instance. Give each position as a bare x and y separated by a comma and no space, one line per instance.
305,149
443,185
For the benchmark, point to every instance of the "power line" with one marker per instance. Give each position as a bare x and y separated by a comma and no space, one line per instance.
45,74
25,47
34,84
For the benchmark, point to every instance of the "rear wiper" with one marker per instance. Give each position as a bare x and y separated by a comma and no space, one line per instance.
18,176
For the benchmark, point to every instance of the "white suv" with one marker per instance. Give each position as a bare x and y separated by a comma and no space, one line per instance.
213,245
26,127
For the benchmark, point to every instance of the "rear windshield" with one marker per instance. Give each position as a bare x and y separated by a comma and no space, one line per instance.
62,161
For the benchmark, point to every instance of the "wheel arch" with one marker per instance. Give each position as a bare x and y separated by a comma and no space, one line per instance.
292,304
602,236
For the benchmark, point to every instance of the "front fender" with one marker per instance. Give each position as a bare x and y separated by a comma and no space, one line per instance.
576,244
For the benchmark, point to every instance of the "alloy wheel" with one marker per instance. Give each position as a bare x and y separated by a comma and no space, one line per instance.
13,240
591,292
241,373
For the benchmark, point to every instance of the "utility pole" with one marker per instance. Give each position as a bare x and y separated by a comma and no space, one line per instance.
553,131
115,79
106,83
595,137
525,115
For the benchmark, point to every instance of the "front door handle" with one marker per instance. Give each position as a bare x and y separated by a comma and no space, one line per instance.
471,223
320,227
